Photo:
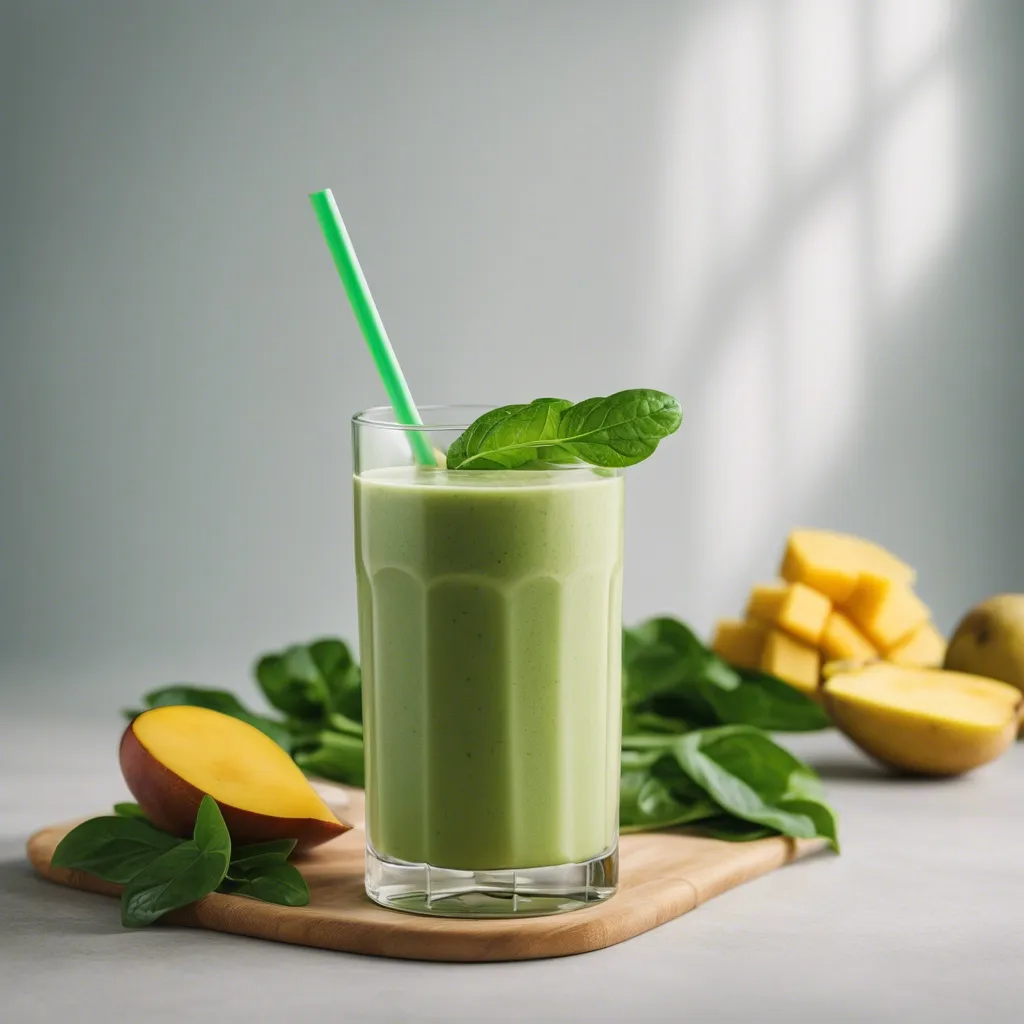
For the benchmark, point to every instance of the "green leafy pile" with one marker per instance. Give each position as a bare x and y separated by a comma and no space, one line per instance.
696,749
161,872
695,746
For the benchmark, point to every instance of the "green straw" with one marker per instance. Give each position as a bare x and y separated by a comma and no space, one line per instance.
370,323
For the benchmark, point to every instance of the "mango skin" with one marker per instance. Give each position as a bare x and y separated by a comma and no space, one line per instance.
914,743
171,804
989,641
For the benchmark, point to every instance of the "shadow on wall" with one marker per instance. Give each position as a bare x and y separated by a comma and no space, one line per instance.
805,218
813,181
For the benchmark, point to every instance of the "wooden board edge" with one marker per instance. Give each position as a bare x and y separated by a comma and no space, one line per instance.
580,931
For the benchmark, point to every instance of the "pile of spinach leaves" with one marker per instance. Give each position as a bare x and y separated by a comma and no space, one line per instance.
161,872
696,749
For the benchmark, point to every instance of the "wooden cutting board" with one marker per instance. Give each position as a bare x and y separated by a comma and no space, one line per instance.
662,875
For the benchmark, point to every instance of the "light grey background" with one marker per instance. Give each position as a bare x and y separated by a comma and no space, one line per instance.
804,218
547,198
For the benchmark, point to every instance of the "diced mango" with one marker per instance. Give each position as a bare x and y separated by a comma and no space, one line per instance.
924,648
833,668
832,562
740,643
886,611
792,661
794,607
841,640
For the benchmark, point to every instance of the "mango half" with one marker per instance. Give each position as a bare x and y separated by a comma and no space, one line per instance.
172,756
924,721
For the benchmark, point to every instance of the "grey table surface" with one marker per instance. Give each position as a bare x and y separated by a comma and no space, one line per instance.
920,918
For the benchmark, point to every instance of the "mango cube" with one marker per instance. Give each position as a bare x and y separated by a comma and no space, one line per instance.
841,640
924,648
831,563
740,643
794,607
792,661
886,611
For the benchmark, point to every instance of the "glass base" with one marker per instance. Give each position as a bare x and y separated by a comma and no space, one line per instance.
526,892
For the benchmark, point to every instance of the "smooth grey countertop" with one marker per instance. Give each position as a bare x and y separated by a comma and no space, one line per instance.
921,918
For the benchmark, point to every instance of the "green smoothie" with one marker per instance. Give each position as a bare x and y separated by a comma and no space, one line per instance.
490,635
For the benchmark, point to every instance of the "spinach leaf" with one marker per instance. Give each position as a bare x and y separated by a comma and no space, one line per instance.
653,722
645,748
731,829
309,682
258,855
304,735
337,757
687,708
553,455
470,443
211,833
342,676
341,723
261,871
278,882
658,794
755,779
183,874
664,658
510,437
632,642
216,700
293,683
762,700
620,430
114,848
129,810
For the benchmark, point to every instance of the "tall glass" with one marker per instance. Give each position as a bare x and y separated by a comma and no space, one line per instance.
490,639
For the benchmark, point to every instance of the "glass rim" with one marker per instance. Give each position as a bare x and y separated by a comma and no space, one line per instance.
377,416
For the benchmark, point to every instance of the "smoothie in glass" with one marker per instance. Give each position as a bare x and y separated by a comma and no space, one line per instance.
490,638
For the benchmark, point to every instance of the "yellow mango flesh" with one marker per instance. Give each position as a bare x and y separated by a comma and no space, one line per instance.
924,720
832,563
740,643
841,640
793,662
229,759
793,607
885,610
955,697
843,602
924,648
